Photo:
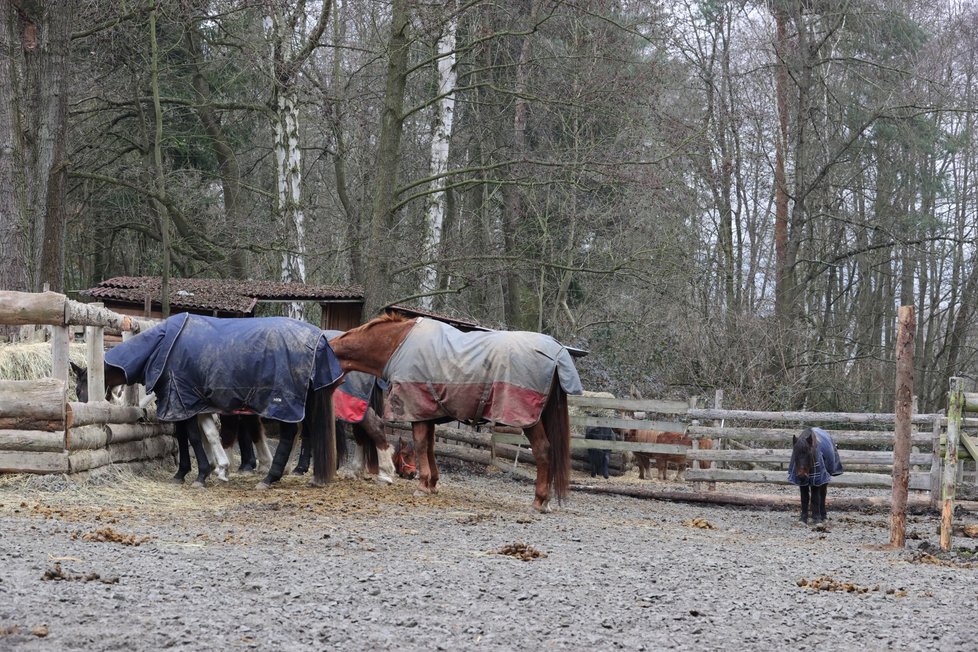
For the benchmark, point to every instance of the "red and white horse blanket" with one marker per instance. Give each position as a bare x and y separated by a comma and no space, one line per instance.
440,373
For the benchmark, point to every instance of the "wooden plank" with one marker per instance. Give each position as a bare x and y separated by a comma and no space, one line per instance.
633,405
949,482
739,433
808,417
83,414
971,445
38,399
60,343
652,492
30,423
970,402
783,456
919,481
92,436
32,440
29,308
580,442
33,462
123,432
628,424
94,314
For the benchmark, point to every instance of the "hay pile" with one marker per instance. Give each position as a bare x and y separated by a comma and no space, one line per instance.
32,361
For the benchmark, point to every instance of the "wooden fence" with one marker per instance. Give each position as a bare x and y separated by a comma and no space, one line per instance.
40,431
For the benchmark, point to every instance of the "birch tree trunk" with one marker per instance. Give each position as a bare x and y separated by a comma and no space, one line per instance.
444,117
287,60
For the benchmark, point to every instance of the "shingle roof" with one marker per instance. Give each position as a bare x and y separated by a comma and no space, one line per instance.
214,294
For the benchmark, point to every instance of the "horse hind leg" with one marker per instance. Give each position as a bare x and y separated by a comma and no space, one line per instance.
385,465
183,451
283,451
424,443
208,424
262,451
541,454
204,467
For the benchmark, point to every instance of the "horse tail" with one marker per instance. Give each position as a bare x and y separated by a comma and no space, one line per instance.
319,422
556,423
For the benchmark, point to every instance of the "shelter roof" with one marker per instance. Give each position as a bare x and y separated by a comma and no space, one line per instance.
225,295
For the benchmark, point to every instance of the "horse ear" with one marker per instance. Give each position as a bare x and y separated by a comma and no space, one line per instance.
75,368
794,440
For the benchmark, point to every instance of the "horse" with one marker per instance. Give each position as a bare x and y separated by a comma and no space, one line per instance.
200,432
357,403
814,461
599,458
439,374
663,460
274,367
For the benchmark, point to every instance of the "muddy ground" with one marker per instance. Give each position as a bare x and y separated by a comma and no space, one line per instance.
126,562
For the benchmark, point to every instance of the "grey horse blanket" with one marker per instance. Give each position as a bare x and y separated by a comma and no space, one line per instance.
259,365
827,462
440,373
353,396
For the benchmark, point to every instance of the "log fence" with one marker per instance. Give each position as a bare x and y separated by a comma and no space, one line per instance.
40,430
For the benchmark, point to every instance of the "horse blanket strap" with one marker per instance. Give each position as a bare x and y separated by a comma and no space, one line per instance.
827,462
352,398
258,365
440,373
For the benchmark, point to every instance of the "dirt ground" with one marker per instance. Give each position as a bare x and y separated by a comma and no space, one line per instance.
125,562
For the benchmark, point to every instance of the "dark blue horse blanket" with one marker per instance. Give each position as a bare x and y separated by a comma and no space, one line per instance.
440,373
352,398
827,462
257,365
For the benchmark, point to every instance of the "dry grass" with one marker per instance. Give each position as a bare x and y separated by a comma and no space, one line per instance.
32,361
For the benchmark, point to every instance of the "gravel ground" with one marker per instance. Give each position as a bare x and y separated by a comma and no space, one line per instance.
132,563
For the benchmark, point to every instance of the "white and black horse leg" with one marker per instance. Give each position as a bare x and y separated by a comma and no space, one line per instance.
372,427
262,452
209,427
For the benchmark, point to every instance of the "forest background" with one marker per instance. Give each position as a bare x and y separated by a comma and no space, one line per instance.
705,195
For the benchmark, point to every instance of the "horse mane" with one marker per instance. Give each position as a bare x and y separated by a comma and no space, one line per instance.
383,319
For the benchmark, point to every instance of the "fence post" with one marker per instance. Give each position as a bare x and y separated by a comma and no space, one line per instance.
935,464
903,413
60,339
95,355
954,408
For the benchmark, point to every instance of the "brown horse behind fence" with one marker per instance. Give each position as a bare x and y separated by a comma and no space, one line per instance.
663,460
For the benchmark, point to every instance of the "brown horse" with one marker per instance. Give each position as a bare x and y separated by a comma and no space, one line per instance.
663,460
467,386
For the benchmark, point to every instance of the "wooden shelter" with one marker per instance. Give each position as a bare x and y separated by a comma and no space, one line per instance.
342,307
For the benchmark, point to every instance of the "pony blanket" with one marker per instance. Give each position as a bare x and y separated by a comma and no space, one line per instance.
258,365
439,373
827,462
352,398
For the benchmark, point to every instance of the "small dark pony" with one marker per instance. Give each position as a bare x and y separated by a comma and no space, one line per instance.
814,460
599,458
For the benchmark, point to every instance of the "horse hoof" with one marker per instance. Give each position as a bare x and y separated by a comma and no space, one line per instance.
176,480
542,508
300,470
262,486
199,484
384,479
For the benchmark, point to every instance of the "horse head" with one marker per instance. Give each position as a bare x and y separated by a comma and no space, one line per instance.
368,347
803,454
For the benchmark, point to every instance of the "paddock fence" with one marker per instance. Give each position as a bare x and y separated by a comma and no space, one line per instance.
41,431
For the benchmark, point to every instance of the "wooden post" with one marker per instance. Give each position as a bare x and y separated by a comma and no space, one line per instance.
95,355
132,394
955,402
60,339
903,408
935,464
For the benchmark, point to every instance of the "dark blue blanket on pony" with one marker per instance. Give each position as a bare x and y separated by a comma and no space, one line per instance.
258,365
827,462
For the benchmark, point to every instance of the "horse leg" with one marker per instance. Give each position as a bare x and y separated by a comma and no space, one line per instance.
605,463
424,444
246,444
183,448
805,495
261,445
820,493
373,426
283,451
207,423
541,454
305,454
204,467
